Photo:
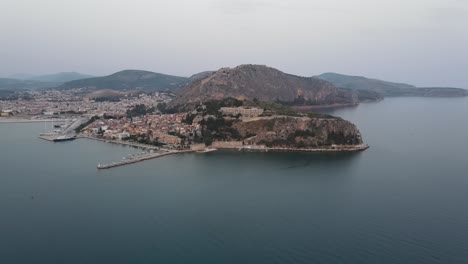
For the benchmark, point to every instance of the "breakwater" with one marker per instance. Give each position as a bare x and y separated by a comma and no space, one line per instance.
140,159
125,143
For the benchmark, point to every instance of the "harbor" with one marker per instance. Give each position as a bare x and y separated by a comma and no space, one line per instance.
151,152
62,131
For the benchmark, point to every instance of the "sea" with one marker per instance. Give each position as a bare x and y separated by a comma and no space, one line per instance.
404,200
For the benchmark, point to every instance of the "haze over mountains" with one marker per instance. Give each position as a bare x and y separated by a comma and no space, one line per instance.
24,81
245,81
385,88
16,85
60,77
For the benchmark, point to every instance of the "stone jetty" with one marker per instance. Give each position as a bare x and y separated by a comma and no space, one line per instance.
140,158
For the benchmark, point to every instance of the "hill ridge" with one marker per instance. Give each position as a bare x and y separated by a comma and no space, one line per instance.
130,79
386,88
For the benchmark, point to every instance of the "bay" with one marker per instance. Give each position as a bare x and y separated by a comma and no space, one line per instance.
401,201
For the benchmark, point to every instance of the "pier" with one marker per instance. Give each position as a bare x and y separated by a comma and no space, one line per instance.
66,132
121,142
140,158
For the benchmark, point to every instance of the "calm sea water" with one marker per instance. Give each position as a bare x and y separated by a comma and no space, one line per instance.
401,201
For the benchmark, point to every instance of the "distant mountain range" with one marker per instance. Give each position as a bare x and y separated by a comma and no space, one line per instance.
31,82
130,80
61,77
15,84
21,76
245,81
388,89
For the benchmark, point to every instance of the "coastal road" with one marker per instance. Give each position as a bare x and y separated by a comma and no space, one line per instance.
71,128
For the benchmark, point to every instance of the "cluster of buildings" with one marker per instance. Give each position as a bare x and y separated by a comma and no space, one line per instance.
7,113
243,111
169,129
61,103
173,130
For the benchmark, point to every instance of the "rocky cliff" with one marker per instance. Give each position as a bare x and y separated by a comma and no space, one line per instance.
299,132
306,132
255,82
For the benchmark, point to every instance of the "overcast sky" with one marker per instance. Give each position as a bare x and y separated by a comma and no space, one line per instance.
423,42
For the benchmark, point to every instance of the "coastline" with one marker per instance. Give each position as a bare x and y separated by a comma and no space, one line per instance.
338,148
160,152
219,145
304,108
14,120
344,148
320,107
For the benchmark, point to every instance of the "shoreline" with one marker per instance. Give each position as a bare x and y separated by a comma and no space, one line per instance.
346,148
323,107
166,152
302,108
343,148
11,121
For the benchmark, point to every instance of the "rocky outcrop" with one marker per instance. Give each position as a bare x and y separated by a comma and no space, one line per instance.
299,132
255,82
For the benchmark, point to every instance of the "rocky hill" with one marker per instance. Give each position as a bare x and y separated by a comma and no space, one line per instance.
201,75
385,88
255,82
299,132
307,132
130,80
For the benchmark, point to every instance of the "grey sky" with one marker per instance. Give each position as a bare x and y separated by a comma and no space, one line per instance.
424,42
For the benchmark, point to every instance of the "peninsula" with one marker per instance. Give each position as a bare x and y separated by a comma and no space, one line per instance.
248,107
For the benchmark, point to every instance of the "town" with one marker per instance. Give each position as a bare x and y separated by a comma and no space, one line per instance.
137,117
150,121
67,103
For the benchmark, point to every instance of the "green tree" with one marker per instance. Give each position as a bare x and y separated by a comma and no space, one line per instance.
208,138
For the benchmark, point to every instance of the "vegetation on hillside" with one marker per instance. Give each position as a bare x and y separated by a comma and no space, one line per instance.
130,80
82,126
140,110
